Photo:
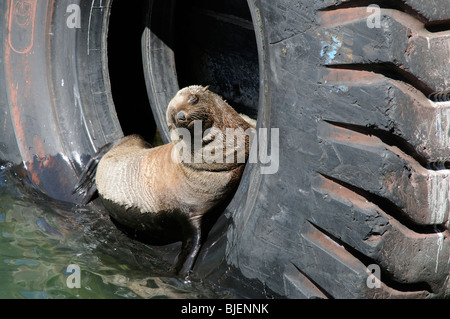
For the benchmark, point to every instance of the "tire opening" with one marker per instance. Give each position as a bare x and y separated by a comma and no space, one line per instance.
215,45
126,24
212,43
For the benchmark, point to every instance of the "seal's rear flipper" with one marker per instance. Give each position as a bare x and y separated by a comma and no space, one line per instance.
86,187
189,249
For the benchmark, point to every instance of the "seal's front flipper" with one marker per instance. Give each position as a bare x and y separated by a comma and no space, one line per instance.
86,187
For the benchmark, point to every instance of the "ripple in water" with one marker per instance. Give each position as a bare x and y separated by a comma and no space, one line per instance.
40,237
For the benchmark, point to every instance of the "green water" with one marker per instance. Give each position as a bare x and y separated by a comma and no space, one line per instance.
41,237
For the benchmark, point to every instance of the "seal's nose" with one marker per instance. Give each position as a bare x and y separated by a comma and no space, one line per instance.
181,116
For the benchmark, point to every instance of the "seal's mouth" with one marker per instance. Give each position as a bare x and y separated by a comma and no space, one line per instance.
182,119
193,118
193,123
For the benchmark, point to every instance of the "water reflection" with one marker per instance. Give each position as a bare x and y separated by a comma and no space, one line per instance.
40,237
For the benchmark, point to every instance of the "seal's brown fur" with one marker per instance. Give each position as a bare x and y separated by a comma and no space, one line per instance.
145,188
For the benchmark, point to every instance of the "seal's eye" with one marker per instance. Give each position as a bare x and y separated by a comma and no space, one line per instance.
181,116
192,99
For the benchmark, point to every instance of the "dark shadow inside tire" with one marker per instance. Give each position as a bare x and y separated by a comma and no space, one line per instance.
213,44
125,66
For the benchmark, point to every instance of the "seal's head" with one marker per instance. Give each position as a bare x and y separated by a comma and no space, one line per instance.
216,132
197,103
190,104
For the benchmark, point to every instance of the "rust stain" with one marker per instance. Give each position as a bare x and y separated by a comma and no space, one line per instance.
391,181
352,77
33,174
334,249
21,25
16,106
44,170
344,194
18,82
49,171
342,16
343,135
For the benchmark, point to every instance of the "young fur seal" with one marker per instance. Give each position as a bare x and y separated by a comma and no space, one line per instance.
153,190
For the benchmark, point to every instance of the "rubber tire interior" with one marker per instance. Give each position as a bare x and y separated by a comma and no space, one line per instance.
356,186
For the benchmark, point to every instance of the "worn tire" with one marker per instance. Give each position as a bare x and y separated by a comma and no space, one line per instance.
57,99
362,181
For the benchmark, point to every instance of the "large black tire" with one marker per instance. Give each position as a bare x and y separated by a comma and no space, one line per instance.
362,180
56,93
